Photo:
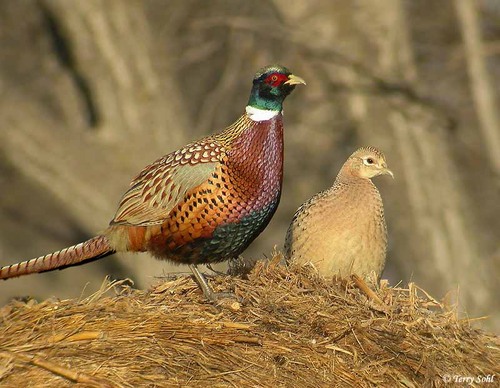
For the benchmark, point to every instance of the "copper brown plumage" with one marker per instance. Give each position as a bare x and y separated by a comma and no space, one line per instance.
203,203
342,230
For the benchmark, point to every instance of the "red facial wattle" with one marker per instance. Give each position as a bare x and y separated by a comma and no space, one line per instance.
276,79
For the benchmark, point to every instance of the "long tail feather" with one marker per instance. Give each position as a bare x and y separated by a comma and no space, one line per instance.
90,250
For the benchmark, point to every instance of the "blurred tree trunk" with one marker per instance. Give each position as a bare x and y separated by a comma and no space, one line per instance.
93,113
480,81
111,91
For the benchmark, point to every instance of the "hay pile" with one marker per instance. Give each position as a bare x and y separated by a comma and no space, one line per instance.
291,329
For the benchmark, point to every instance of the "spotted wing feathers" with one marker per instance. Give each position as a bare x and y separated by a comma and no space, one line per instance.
163,184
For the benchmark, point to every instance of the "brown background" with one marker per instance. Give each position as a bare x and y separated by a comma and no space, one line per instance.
92,91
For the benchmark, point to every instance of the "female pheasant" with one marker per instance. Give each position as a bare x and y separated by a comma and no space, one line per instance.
203,203
342,230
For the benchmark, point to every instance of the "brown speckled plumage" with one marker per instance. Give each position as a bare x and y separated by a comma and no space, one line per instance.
178,202
342,230
203,203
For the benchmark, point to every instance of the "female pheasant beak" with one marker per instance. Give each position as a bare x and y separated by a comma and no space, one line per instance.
295,80
386,171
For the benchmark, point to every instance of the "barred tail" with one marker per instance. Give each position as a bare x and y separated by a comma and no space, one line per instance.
90,250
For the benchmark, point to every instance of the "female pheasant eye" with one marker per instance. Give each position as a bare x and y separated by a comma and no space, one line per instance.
369,161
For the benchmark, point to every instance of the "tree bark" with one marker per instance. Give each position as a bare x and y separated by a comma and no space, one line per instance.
481,84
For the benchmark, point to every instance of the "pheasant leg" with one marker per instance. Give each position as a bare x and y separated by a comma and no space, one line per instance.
205,287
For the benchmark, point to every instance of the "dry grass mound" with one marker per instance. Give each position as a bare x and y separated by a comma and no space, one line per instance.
290,329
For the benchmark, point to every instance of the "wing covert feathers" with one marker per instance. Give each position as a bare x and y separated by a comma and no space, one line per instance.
163,184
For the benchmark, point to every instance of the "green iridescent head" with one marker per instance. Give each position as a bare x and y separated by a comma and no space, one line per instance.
271,85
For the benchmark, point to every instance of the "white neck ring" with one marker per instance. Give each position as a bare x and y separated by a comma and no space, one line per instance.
257,114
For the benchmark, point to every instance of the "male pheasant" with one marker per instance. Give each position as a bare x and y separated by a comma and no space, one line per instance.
203,203
342,230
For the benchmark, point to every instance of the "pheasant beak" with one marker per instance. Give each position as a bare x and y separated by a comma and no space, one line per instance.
386,171
294,80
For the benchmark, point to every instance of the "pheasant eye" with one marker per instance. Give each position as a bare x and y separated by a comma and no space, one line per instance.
369,161
274,78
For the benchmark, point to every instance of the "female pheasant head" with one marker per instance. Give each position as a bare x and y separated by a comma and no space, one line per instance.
367,163
271,85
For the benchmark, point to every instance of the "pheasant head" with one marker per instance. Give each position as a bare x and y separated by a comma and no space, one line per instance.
366,163
271,85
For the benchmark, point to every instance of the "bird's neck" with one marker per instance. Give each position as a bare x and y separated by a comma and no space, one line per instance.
357,190
260,102
346,177
258,114
252,119
256,155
